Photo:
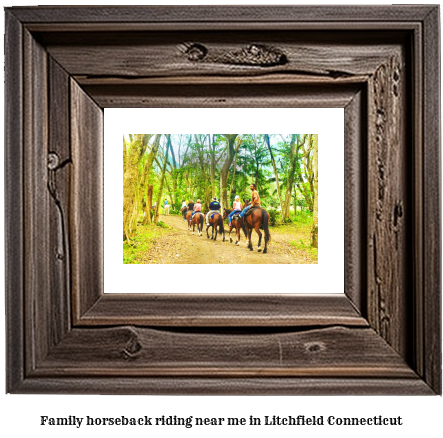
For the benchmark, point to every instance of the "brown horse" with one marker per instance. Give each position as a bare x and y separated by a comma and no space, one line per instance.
216,221
198,219
258,218
184,210
234,224
188,219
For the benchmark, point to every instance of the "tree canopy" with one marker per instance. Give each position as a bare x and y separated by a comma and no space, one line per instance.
177,167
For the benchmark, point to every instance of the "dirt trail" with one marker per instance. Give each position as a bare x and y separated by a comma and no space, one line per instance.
181,246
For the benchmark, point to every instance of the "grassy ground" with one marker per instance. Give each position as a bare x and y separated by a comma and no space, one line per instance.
291,238
298,233
144,239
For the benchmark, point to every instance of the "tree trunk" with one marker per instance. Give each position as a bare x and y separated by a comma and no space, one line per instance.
314,232
225,168
233,179
293,164
275,173
203,167
174,174
148,208
305,176
131,181
124,155
162,181
212,152
148,165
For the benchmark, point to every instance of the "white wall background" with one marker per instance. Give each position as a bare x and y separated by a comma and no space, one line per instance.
328,123
20,414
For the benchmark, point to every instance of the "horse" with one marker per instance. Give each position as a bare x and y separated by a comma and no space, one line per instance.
188,219
216,221
234,223
198,219
183,211
256,219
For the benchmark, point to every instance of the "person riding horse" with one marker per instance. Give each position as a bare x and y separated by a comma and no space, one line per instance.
197,208
255,200
183,209
214,207
215,220
236,208
235,222
199,218
258,218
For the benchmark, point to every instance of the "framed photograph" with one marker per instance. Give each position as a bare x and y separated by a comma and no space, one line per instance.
376,326
193,172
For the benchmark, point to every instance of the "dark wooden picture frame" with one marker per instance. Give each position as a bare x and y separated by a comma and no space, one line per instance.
64,65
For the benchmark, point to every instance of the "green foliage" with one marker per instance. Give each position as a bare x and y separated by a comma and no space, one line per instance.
302,217
273,202
161,224
273,216
188,171
134,252
301,245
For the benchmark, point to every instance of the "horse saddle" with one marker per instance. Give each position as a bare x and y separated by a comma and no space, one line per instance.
250,210
212,215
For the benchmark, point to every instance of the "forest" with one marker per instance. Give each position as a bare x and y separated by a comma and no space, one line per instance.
172,168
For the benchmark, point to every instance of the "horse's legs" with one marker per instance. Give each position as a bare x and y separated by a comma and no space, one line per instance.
230,229
237,233
266,244
257,230
250,239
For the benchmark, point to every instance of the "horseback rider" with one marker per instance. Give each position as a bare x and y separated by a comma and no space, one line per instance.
214,207
183,209
191,205
255,200
197,208
237,208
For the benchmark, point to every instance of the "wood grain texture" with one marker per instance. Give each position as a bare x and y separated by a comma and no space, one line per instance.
14,239
129,351
432,335
38,305
240,310
231,95
99,343
227,386
388,204
59,166
86,214
224,14
170,54
355,187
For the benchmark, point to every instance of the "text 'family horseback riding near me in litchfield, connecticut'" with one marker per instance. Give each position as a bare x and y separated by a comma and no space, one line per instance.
220,198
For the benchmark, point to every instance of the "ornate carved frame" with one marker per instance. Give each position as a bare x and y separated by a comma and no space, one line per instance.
64,65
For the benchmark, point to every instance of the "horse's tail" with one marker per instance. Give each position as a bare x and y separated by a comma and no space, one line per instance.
220,224
265,223
243,226
201,221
